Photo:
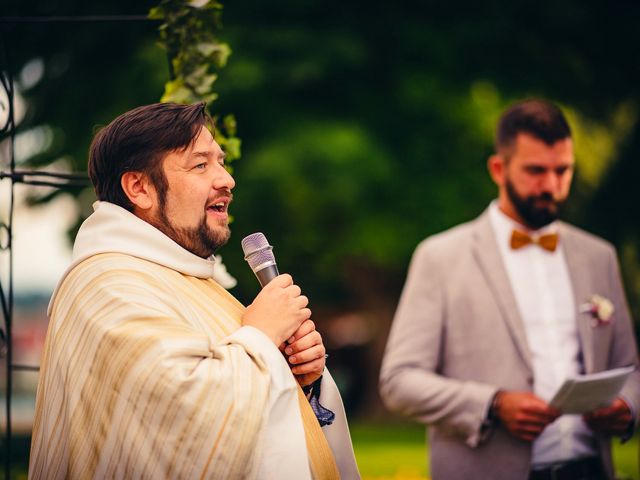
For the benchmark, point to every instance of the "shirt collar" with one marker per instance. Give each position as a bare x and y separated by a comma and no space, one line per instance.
503,225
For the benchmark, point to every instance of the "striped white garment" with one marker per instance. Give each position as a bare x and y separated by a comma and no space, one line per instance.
147,372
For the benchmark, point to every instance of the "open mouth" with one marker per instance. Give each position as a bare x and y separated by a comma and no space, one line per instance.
220,206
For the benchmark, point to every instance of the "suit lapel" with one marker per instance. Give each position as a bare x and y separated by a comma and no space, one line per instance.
487,254
579,274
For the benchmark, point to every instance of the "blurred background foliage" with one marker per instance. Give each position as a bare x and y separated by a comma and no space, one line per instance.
366,127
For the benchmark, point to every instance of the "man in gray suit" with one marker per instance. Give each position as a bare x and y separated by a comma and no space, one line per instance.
498,312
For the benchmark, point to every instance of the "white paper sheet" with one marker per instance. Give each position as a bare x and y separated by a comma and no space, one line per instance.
586,393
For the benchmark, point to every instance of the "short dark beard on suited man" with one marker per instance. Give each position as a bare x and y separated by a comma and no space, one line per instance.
534,217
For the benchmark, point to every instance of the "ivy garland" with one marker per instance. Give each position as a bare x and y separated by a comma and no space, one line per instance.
196,55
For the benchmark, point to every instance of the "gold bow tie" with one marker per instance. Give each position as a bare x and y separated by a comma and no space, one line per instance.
520,239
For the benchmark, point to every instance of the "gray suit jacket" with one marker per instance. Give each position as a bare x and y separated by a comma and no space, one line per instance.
457,337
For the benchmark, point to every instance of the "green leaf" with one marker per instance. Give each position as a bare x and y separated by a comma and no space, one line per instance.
198,3
232,148
196,76
156,13
223,52
207,48
230,125
171,86
210,98
175,92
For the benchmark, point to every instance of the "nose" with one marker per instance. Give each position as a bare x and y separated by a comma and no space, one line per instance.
222,180
550,183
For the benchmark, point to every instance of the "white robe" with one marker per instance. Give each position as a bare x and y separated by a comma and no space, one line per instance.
147,372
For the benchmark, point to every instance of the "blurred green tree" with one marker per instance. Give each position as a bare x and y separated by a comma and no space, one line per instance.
366,126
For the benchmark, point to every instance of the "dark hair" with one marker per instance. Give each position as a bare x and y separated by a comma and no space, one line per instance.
540,119
137,141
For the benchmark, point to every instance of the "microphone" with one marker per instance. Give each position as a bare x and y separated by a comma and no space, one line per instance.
259,255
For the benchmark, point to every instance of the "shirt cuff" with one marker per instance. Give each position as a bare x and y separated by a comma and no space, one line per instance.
490,418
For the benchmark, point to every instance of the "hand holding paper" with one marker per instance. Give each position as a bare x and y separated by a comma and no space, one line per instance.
586,393
524,414
613,420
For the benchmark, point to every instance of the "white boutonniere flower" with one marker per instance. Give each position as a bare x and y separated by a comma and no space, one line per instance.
221,275
600,308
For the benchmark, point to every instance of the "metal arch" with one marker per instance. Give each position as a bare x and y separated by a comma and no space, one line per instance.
34,178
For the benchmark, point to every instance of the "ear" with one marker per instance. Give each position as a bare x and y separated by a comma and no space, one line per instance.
139,189
497,167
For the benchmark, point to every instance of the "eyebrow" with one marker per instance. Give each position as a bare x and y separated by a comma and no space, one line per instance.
208,154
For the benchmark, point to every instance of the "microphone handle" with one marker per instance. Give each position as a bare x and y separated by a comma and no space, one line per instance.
266,274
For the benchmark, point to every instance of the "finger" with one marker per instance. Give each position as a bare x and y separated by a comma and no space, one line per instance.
622,426
541,415
281,281
614,422
308,355
301,301
551,417
307,327
536,407
554,412
523,433
617,417
533,426
524,418
608,413
304,314
316,366
601,413
293,290
304,343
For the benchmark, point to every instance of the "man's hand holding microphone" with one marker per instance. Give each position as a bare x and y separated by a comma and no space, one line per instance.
281,312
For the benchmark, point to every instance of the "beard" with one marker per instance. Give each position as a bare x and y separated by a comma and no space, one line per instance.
201,240
537,211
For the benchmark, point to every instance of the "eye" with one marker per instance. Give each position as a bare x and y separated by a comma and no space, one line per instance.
532,170
200,166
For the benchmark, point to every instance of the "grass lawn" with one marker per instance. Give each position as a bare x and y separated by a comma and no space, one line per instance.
398,452
387,452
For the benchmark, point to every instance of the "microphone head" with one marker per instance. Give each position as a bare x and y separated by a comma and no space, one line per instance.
257,251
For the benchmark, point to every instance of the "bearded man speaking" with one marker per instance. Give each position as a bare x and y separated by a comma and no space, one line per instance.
151,369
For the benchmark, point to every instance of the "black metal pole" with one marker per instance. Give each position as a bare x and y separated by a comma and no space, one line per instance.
8,303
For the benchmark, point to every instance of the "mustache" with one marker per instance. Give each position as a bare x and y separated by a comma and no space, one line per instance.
545,196
224,192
